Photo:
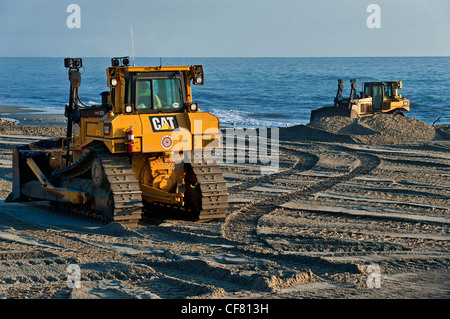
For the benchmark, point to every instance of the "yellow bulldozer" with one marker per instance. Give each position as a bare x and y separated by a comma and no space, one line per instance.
377,97
147,143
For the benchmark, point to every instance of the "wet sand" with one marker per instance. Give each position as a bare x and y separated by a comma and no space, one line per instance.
28,116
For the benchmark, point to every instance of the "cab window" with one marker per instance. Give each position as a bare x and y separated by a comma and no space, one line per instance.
159,94
367,91
144,94
388,91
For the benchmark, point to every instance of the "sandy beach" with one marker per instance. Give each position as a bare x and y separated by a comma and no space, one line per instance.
29,116
358,209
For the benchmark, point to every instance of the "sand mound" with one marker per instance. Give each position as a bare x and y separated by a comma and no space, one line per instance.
376,129
398,129
305,133
116,230
342,126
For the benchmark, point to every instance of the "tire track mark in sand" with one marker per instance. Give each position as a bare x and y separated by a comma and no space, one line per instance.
240,226
305,161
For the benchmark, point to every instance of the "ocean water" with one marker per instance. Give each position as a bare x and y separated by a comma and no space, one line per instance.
245,92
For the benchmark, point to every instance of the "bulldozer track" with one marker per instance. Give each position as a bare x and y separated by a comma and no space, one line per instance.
124,199
213,190
78,168
125,191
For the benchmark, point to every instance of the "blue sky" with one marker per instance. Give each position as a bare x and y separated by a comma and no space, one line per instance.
225,28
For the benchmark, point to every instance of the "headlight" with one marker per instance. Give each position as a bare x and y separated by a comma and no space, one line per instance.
113,82
128,109
194,106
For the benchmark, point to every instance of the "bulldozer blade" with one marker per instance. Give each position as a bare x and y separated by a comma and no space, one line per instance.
331,111
56,194
45,154
15,193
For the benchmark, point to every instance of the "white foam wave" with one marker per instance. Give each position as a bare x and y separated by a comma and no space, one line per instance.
240,119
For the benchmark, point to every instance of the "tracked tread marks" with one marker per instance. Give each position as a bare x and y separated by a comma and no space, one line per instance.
249,215
305,161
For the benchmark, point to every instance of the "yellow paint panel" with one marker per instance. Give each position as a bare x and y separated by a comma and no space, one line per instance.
121,124
204,123
94,129
153,133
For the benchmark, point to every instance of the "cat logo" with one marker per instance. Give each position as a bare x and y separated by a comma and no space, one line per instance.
163,123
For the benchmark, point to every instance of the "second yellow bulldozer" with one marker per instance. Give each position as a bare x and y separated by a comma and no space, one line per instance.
377,97
147,142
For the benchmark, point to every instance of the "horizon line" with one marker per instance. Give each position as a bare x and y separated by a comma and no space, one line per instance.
245,57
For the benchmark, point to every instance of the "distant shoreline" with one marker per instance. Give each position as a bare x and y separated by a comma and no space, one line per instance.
30,116
17,109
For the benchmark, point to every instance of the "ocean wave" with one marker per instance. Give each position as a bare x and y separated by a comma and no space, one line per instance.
240,119
272,92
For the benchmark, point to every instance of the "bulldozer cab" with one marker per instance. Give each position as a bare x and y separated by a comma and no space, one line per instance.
380,91
147,90
150,101
150,94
